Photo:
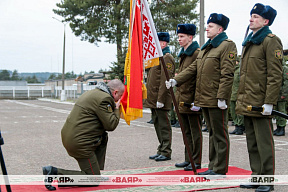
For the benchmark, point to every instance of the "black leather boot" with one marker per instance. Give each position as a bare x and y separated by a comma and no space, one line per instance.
183,164
276,131
265,188
49,170
176,125
281,131
249,185
151,121
235,130
205,172
240,130
173,121
189,167
205,129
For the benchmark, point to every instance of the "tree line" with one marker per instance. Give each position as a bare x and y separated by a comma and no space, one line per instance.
96,20
5,75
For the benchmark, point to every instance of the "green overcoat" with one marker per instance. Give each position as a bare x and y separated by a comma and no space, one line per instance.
93,113
156,88
186,92
260,72
214,68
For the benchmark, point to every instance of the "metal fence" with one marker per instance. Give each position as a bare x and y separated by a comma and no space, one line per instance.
72,92
32,92
24,92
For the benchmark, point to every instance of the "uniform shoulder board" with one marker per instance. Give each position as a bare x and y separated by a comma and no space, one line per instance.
229,40
167,53
271,35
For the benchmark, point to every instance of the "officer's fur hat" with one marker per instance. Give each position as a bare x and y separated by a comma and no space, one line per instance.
264,11
219,19
163,36
189,29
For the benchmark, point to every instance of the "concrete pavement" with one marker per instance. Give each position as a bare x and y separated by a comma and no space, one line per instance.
31,132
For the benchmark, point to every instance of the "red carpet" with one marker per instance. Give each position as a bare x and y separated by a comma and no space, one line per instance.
164,170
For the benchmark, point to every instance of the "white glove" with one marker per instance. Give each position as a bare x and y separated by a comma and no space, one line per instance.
159,105
194,108
170,83
267,109
222,104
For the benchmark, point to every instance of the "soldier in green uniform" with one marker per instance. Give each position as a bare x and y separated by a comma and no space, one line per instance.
159,100
191,118
84,134
261,67
213,70
281,104
237,119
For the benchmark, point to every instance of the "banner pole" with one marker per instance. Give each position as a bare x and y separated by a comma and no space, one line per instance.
242,51
3,167
179,118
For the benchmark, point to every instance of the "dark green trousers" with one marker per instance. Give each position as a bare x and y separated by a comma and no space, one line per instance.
260,144
219,143
237,119
193,132
91,165
173,114
163,130
281,106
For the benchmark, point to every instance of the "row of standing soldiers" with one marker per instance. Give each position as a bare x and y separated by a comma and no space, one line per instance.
205,81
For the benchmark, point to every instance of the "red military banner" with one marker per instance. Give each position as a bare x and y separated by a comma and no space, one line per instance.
143,46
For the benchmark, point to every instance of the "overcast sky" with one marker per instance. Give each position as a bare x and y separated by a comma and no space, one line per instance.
31,41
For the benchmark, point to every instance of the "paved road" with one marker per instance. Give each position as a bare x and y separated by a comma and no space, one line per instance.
31,132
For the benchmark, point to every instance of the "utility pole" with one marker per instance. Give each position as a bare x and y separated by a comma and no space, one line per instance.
63,95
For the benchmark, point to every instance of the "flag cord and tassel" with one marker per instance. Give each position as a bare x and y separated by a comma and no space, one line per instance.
144,89
179,118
